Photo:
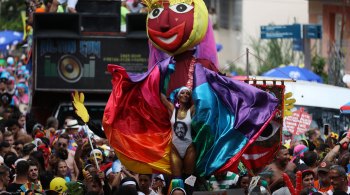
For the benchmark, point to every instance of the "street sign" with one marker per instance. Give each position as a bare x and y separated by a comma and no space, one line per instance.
298,45
282,31
312,31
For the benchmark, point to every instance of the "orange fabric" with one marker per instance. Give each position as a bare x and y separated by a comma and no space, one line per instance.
136,122
322,189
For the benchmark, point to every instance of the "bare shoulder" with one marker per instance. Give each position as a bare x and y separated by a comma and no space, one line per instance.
291,166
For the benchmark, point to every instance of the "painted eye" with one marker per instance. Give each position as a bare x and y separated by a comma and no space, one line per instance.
155,13
269,131
181,8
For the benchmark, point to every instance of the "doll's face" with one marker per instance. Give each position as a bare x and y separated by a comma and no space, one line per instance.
175,26
170,25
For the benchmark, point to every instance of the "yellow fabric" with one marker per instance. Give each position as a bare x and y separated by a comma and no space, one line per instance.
288,104
147,168
78,104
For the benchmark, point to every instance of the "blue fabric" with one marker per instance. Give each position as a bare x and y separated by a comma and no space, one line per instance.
226,140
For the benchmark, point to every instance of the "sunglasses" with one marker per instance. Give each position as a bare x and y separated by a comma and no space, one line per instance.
62,144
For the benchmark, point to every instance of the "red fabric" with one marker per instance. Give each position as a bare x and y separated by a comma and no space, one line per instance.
179,77
106,166
135,121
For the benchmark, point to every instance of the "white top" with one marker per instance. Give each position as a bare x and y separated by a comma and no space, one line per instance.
182,137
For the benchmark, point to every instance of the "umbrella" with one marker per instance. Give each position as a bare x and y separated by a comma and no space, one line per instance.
293,72
345,109
9,37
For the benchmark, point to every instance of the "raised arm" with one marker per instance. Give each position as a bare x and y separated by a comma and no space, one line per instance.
167,104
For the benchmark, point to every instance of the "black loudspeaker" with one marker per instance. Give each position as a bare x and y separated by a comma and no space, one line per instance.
99,15
56,25
136,25
68,64
69,68
100,23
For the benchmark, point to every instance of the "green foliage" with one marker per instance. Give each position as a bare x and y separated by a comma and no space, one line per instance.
318,63
10,18
232,67
273,53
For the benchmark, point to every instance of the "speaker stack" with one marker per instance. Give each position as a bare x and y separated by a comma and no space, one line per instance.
99,15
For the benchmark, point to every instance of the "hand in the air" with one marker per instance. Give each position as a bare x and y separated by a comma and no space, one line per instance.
288,104
78,104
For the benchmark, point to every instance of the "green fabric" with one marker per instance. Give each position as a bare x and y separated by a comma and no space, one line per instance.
202,131
229,180
2,62
60,9
123,12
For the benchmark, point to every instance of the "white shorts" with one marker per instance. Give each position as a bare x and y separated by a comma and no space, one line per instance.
70,3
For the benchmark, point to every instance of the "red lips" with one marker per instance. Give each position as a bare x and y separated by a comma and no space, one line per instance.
170,40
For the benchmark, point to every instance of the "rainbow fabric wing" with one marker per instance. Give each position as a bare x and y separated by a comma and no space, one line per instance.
230,115
136,123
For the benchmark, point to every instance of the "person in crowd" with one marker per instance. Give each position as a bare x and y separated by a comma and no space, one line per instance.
310,158
4,178
28,149
323,183
21,98
159,184
284,190
18,145
33,178
61,170
51,126
145,181
339,179
280,165
182,153
178,191
243,182
123,12
298,154
4,148
70,5
62,142
94,185
9,138
22,168
134,6
129,183
307,177
337,149
13,126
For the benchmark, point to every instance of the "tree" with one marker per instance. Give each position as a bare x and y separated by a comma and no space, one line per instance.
274,52
10,17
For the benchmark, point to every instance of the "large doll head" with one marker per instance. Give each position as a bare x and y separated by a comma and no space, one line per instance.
175,26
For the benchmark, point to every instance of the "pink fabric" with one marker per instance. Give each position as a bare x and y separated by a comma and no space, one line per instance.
21,100
299,151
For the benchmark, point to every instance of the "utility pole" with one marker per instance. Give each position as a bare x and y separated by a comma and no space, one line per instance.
247,57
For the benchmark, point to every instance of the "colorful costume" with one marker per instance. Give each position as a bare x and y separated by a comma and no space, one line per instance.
229,115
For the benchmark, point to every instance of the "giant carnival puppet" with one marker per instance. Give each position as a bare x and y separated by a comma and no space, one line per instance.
182,116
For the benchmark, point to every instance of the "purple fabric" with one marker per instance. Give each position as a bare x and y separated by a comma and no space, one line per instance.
206,49
251,106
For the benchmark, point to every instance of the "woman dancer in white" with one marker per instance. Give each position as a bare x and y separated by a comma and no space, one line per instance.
183,153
